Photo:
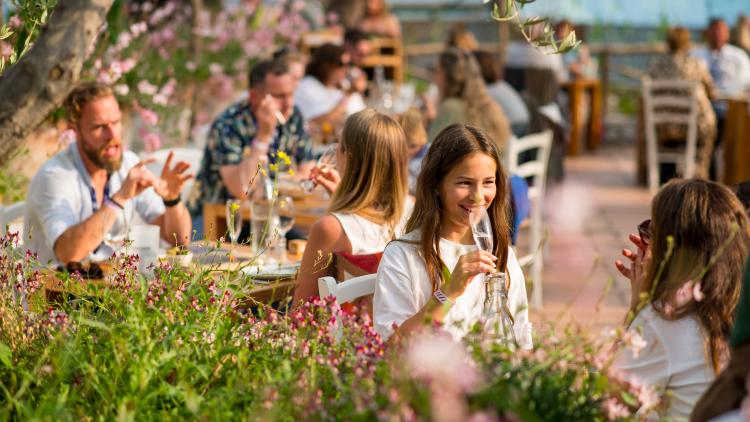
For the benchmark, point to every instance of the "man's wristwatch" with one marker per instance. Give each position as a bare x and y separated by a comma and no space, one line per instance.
171,202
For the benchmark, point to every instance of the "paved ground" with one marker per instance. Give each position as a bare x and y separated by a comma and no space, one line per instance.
588,218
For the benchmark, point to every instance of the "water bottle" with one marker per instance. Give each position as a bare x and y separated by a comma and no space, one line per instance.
496,316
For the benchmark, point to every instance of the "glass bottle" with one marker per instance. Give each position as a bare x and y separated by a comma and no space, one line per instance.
496,316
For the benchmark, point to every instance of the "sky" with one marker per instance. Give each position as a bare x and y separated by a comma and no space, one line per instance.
691,13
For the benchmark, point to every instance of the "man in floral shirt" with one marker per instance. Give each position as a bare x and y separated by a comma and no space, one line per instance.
248,132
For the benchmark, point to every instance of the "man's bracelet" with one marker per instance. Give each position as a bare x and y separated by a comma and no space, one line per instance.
112,204
171,202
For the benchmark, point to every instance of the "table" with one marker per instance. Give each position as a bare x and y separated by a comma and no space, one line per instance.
577,90
309,209
272,291
736,142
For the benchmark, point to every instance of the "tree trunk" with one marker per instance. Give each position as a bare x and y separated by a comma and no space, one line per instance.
38,83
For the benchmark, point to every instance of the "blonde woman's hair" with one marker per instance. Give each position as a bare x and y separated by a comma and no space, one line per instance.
411,122
463,80
374,184
460,37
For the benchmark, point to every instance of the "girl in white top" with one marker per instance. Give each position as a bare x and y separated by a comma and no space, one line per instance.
460,173
369,204
685,280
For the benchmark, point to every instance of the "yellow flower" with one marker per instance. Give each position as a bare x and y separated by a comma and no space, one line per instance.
284,157
234,207
291,172
273,168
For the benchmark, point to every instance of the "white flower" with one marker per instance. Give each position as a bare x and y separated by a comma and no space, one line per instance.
122,90
145,88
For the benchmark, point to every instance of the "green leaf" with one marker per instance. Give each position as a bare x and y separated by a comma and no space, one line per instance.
6,355
94,324
533,21
5,32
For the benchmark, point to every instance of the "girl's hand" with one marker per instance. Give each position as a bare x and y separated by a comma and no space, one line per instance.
328,178
636,271
468,266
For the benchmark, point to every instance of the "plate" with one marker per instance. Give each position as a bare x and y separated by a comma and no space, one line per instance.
270,271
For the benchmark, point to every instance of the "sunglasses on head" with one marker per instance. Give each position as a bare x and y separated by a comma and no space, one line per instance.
644,231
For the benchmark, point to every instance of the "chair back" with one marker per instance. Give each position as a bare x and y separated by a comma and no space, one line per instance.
10,213
349,290
192,156
535,171
669,102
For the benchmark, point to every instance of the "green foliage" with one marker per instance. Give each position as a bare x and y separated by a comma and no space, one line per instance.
33,14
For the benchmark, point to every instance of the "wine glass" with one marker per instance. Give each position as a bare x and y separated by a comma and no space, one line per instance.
234,219
284,211
325,163
481,228
116,235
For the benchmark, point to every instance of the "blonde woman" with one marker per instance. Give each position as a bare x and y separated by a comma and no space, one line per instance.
464,98
369,205
416,142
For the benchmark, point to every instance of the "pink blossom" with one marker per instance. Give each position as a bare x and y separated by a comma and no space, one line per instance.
634,342
127,65
615,410
123,40
151,142
138,28
168,89
145,88
159,99
190,66
215,69
148,116
14,21
122,89
438,357
67,137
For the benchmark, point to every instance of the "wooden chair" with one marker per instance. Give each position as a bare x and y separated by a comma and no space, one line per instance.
535,171
669,102
314,39
387,53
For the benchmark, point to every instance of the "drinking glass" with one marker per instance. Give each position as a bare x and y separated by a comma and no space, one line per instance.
116,236
325,163
285,210
496,315
234,219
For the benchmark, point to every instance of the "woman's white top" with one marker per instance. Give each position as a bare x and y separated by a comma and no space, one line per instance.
367,237
315,99
675,360
403,287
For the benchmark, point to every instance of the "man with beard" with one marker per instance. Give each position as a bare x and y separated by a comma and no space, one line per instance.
94,188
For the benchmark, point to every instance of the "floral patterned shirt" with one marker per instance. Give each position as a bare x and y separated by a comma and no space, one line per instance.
233,131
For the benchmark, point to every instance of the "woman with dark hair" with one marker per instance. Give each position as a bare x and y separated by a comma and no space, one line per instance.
679,64
319,95
503,93
431,272
464,98
685,280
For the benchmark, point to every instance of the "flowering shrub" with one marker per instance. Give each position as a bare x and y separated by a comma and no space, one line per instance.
188,344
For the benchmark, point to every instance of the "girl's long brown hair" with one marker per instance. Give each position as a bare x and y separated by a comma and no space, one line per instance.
706,223
450,147
374,184
463,80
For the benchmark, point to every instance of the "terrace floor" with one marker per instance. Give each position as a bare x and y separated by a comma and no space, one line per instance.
588,218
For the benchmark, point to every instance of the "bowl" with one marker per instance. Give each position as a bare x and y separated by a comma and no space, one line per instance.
182,260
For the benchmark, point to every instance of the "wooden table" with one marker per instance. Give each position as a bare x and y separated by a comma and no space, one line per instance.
309,209
215,261
736,142
577,90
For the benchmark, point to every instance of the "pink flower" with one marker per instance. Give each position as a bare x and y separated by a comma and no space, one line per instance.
615,409
145,88
67,137
138,28
159,99
215,69
148,116
14,21
634,342
151,142
122,90
438,357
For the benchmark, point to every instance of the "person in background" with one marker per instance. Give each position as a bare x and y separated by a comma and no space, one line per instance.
250,132
294,61
416,141
369,207
460,37
578,63
379,21
95,187
464,98
320,96
357,44
678,64
685,280
729,68
504,95
434,272
741,33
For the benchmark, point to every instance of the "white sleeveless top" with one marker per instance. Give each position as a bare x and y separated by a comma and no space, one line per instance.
367,237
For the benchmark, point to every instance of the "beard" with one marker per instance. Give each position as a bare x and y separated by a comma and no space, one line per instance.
96,155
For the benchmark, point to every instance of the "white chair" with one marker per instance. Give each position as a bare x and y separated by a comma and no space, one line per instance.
536,172
669,101
192,156
348,290
9,214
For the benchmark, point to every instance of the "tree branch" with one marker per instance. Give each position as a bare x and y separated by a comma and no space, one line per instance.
39,82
